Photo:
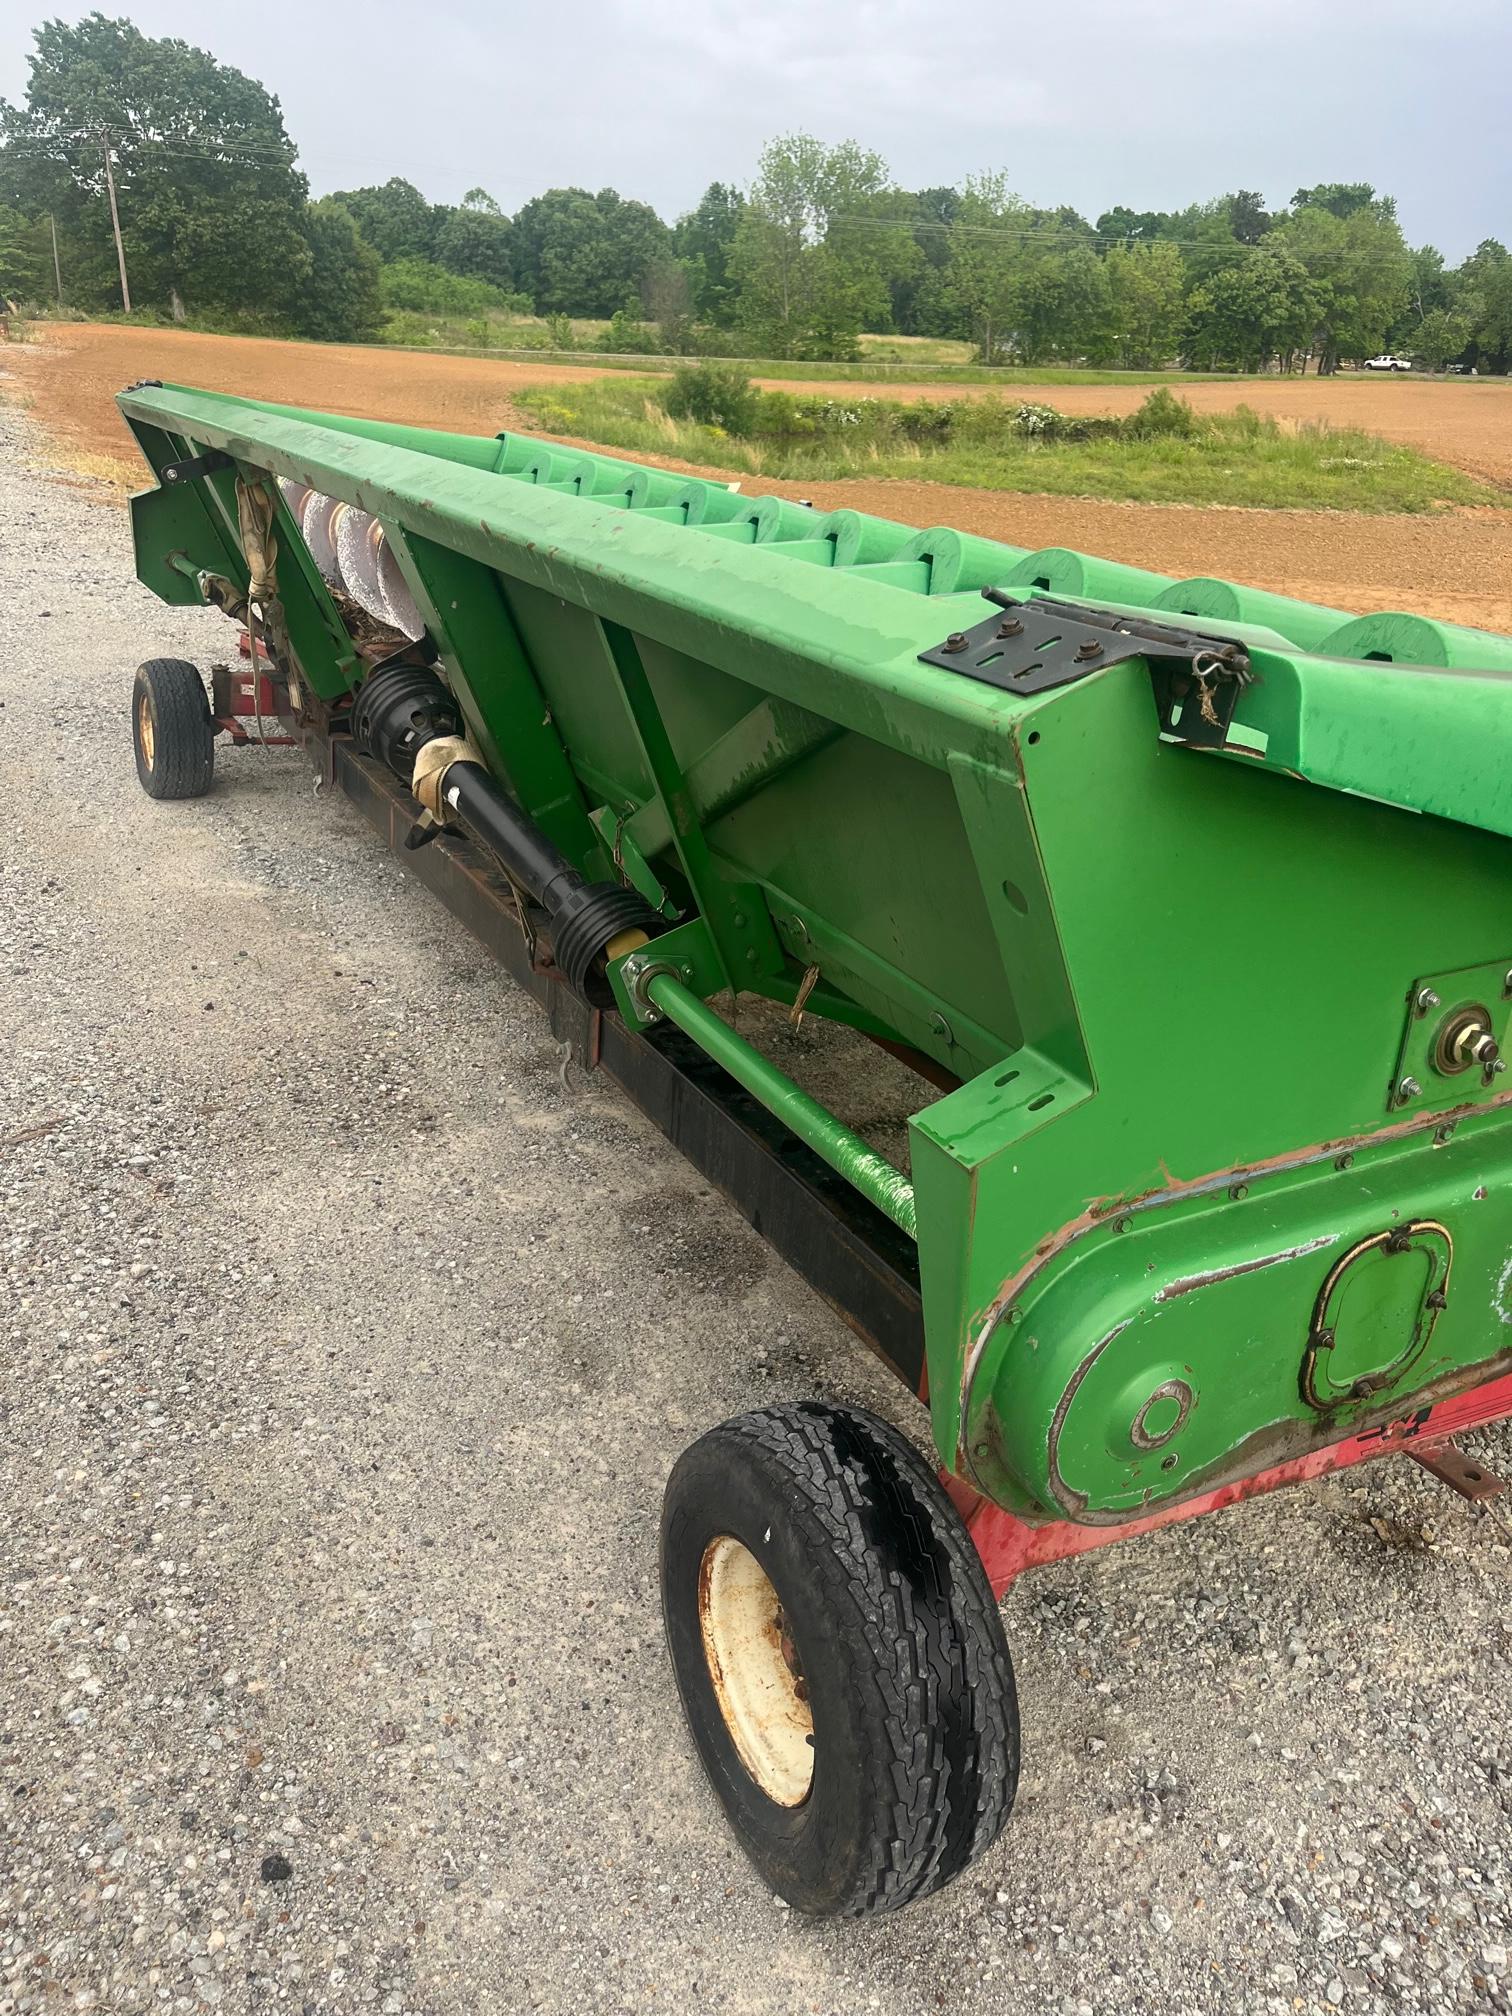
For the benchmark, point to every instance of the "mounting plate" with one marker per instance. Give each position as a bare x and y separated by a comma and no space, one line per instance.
1037,644
1438,1003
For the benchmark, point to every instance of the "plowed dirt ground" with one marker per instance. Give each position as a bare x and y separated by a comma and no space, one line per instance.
1457,566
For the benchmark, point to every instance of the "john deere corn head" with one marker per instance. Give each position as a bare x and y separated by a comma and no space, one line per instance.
1189,906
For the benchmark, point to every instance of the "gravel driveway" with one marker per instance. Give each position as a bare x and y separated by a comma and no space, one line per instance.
345,1352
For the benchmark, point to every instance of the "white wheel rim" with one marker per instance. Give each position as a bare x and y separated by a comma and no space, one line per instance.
754,1666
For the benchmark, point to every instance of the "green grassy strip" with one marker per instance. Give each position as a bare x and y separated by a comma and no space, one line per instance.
1229,458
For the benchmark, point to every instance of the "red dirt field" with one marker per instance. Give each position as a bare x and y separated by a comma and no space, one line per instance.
1456,565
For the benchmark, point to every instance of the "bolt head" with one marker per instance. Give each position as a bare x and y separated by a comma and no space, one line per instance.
1344,1162
1426,1000
956,641
1407,1088
1238,1191
1123,1224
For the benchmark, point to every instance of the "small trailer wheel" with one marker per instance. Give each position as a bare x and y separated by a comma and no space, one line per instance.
840,1657
172,729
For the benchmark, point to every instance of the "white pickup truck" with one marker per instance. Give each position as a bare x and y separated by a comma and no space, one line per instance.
1388,363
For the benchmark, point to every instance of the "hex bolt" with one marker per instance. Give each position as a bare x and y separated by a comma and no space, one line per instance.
1426,1000
956,641
1444,1133
1407,1088
1089,648
1238,1192
1507,982
1012,627
1344,1162
1123,1224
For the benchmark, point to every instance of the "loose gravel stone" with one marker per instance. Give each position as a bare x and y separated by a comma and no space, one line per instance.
346,1351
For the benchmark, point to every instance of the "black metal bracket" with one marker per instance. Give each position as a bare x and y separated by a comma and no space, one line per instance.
1035,645
194,467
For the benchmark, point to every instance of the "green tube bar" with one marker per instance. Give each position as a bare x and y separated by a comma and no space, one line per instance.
872,1174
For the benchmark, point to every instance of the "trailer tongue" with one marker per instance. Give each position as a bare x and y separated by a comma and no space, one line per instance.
1191,907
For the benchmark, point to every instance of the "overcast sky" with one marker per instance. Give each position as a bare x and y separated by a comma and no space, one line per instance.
1153,103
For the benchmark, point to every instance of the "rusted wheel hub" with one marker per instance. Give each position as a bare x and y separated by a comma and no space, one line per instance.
757,1674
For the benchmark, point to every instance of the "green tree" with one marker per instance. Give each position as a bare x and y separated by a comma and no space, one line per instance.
701,241
915,293
982,285
339,301
475,240
578,254
1205,234
668,294
211,205
1249,220
394,218
1440,337
823,235
1063,300
1121,223
1360,271
1342,199
1147,303
25,269
1483,292
1254,309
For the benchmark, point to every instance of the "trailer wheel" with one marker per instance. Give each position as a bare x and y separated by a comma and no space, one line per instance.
172,729
840,1657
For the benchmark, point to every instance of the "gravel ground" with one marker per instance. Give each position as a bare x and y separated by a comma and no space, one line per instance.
346,1352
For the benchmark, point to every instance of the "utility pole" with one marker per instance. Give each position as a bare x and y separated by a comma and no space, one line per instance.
115,220
57,267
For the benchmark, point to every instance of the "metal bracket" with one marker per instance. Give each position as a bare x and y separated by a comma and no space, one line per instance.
190,470
1039,644
1454,1467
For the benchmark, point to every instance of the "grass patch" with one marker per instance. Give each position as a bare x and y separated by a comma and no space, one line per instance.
1163,454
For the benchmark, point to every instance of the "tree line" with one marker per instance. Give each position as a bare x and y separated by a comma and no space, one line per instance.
217,222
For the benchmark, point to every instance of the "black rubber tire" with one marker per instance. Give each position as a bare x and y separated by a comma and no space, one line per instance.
916,1731
182,761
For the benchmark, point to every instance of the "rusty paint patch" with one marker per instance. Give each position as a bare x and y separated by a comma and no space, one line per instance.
1190,1283
755,1671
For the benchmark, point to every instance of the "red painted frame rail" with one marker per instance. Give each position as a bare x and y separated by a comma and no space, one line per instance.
1009,1545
